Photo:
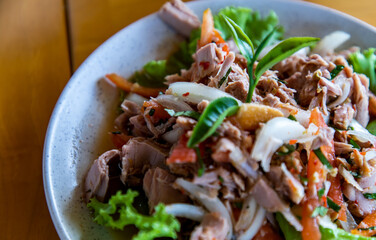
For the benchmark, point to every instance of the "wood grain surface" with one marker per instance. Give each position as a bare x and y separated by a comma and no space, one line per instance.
41,43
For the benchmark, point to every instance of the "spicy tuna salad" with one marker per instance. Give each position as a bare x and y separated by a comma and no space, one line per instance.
242,134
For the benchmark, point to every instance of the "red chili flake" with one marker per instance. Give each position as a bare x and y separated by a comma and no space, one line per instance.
185,94
205,65
293,141
363,153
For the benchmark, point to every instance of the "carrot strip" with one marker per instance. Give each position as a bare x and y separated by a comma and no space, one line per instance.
181,153
127,86
368,222
207,28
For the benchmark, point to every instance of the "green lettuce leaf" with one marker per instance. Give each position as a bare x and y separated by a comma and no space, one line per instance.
333,234
154,72
119,212
253,25
365,63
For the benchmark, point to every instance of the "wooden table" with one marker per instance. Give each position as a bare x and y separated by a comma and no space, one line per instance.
42,42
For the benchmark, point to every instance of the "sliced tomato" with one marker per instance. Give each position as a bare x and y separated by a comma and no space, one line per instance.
119,139
267,232
181,153
156,111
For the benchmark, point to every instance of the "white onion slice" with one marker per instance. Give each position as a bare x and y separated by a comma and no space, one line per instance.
255,226
330,42
297,186
174,103
213,204
189,211
370,155
138,99
173,135
272,136
349,178
247,214
363,136
292,219
346,87
195,93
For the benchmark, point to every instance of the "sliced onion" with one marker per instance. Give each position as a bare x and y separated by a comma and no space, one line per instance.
174,103
330,42
292,219
195,93
297,186
138,99
370,155
363,136
272,136
349,178
255,226
173,135
239,161
213,204
247,214
346,87
189,211
350,224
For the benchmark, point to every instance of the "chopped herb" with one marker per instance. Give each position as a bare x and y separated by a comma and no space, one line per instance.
201,170
355,174
303,179
191,114
116,132
370,195
367,229
354,144
282,81
221,179
321,192
286,149
322,158
320,210
371,127
238,205
292,117
333,205
212,117
336,71
224,78
151,112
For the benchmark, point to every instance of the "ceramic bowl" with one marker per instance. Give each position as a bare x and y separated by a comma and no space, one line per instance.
84,114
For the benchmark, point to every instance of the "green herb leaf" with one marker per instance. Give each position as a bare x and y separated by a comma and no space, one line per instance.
201,170
320,210
252,80
336,71
119,212
321,192
191,114
367,229
283,50
365,63
322,158
211,119
333,205
240,38
369,195
152,74
354,144
292,117
287,150
371,127
224,78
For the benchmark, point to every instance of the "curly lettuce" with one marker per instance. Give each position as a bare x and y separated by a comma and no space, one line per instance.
119,212
365,62
251,22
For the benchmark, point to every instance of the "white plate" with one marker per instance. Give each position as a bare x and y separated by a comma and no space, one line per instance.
84,113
